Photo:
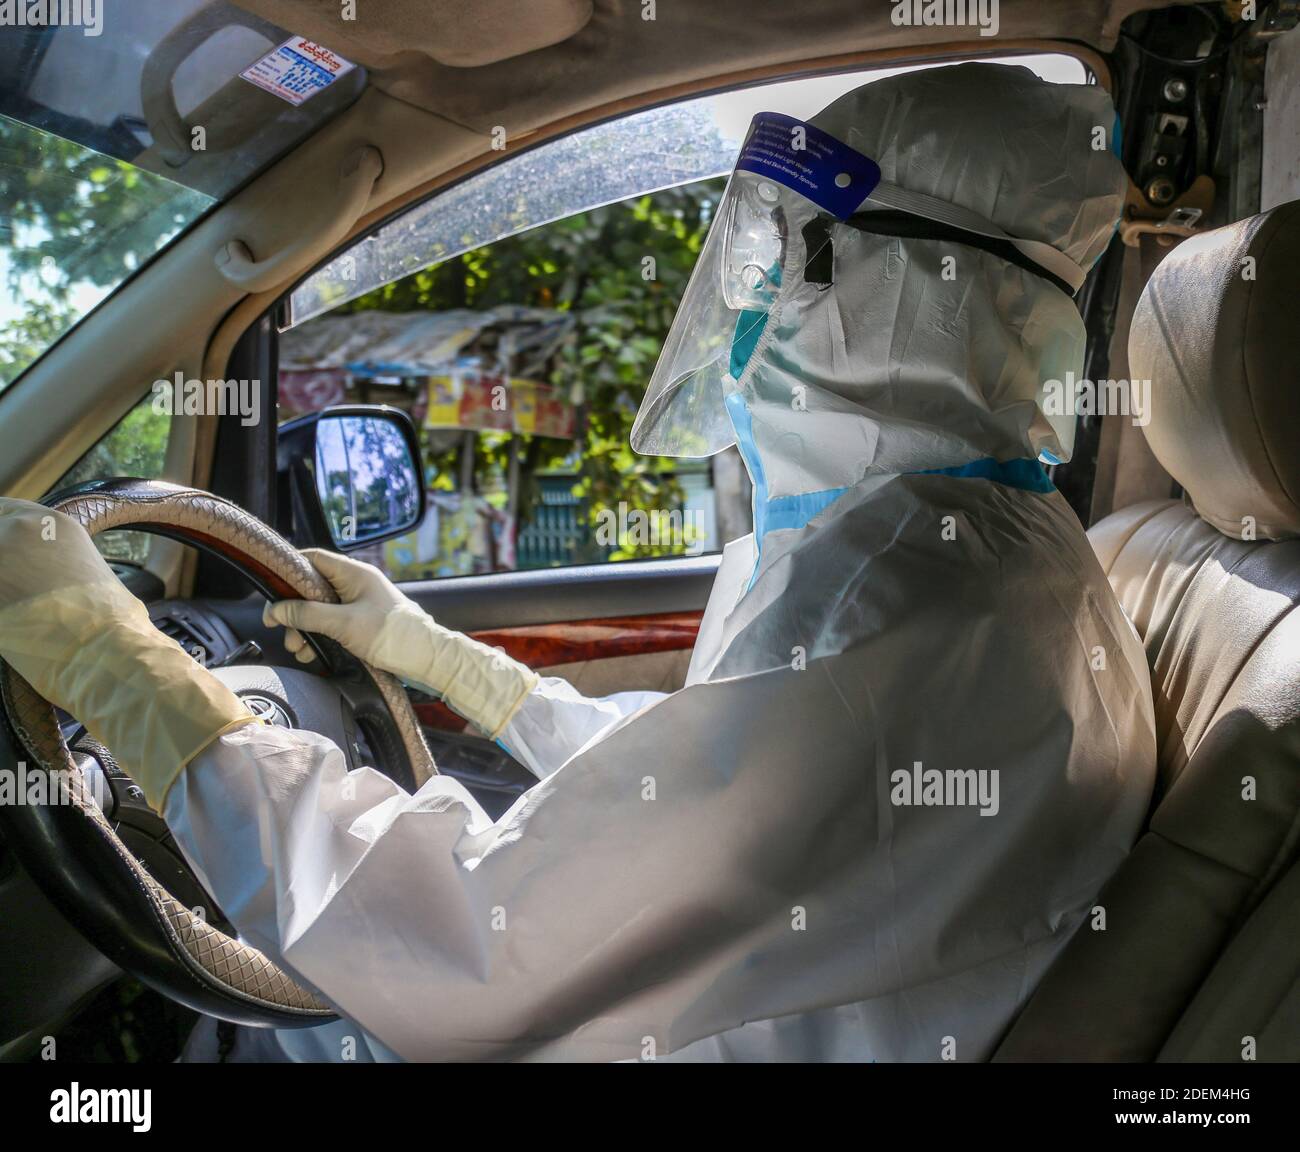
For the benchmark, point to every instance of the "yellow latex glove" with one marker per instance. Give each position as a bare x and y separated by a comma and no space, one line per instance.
72,631
381,626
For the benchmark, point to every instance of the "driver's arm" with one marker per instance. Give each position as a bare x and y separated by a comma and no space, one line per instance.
619,907
556,721
71,629
543,722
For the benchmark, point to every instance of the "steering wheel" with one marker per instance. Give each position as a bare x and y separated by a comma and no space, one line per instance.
72,848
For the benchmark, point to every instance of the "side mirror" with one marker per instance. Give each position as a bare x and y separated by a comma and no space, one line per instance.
353,474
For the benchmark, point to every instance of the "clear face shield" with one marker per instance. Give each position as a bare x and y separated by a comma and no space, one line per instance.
791,181
788,173
754,233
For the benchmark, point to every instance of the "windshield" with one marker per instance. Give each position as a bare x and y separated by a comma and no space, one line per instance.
190,99
76,223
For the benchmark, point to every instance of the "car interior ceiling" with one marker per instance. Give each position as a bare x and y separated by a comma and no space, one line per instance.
441,77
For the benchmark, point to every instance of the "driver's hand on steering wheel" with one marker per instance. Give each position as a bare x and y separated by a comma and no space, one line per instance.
366,598
71,629
386,629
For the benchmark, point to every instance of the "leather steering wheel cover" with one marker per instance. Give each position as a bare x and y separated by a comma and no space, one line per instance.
70,848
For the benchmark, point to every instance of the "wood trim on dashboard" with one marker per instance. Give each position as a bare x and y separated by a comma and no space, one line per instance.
573,641
546,645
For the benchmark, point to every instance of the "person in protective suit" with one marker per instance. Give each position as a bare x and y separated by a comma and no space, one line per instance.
916,736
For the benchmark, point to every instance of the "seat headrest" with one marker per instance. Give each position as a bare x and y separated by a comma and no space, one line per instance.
1217,333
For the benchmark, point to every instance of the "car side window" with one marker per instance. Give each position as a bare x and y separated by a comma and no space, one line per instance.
517,317
522,364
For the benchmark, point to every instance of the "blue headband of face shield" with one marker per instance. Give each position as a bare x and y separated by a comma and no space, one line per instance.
839,181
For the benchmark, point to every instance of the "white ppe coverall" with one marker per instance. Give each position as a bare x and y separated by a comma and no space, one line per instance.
916,735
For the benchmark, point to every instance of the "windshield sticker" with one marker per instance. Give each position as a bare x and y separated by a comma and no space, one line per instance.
297,70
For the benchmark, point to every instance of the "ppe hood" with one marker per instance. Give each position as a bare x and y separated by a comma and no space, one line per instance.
903,263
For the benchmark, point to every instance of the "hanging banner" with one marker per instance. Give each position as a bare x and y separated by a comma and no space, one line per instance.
443,409
479,401
485,404
310,391
523,402
554,415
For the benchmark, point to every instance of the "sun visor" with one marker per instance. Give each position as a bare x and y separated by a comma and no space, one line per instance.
457,33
